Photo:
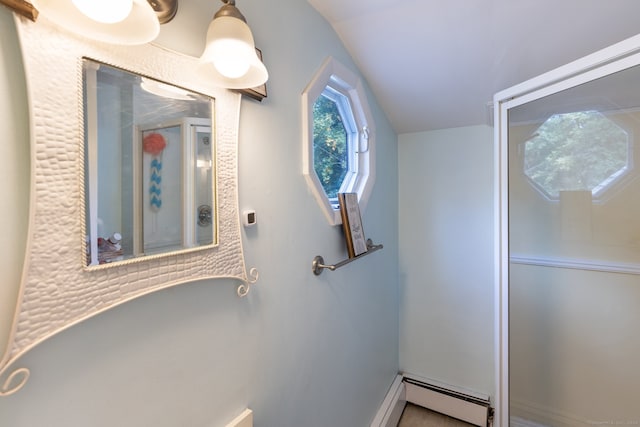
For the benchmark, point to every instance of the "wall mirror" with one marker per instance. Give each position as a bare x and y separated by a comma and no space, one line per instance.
82,94
149,170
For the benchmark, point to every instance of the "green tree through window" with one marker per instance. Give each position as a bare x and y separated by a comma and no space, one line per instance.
576,151
330,157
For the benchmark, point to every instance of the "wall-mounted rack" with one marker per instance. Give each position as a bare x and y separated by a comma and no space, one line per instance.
317,265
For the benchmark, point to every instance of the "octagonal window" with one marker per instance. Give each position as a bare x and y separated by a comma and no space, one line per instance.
581,150
338,138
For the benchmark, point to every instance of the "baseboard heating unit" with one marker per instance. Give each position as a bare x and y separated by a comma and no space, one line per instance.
474,408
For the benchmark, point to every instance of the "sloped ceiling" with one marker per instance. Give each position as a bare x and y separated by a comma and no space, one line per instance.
437,64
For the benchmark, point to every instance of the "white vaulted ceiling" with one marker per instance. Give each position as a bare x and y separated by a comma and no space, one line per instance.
436,64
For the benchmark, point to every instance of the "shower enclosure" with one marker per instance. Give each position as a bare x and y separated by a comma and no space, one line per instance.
186,169
569,244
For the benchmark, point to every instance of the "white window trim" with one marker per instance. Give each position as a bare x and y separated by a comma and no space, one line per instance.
341,79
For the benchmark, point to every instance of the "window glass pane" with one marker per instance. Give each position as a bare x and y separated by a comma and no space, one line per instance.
330,156
581,150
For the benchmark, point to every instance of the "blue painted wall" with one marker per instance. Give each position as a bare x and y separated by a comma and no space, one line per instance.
300,350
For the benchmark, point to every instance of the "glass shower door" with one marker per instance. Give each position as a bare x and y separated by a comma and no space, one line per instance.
574,254
203,180
177,208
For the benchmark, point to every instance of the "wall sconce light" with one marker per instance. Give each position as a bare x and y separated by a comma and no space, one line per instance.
127,22
231,50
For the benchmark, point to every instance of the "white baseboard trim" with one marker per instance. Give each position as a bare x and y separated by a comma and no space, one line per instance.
521,422
536,415
392,406
245,419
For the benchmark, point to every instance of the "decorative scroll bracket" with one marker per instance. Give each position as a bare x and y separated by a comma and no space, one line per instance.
318,265
244,288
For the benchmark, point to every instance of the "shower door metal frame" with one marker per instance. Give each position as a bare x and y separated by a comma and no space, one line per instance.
607,61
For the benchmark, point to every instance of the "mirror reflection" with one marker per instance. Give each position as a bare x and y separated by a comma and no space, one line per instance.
149,166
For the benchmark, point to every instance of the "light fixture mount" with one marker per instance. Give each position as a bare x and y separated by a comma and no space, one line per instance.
230,9
165,9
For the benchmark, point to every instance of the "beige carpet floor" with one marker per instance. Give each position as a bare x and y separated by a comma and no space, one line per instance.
417,416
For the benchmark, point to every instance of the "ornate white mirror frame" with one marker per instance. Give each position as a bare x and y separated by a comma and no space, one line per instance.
57,291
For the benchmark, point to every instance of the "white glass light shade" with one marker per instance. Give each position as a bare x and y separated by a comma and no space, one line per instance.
106,12
139,27
231,51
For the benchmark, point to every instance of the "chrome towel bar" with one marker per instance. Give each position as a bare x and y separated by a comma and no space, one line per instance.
317,265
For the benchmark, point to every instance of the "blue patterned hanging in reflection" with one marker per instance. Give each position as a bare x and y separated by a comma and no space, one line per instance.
154,144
